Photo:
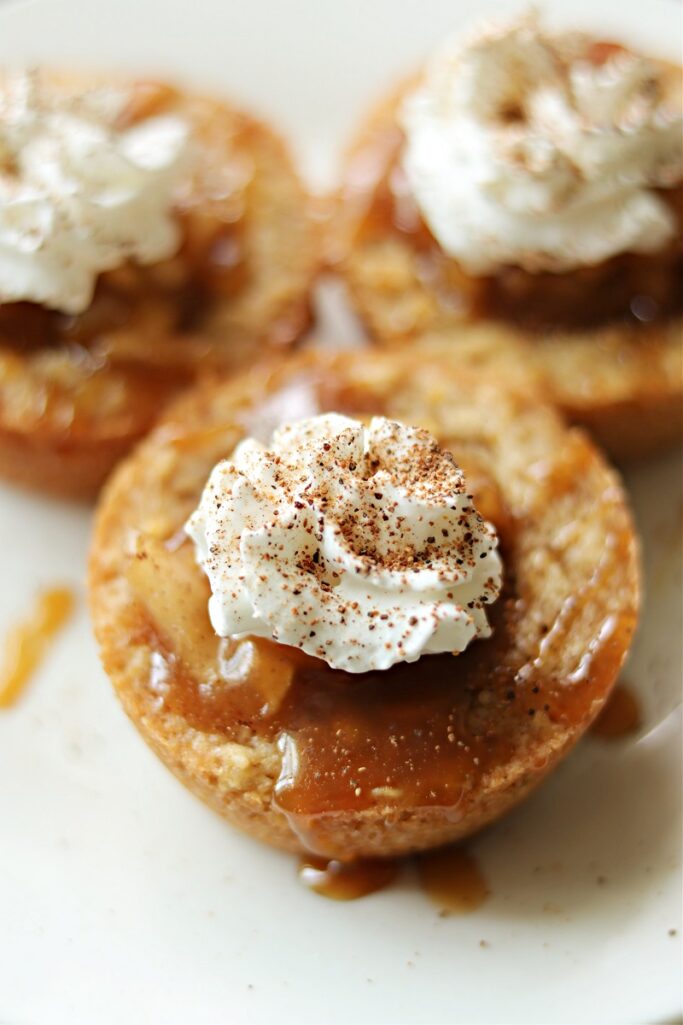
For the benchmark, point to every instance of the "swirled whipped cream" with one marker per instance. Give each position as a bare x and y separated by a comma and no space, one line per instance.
77,195
542,150
359,545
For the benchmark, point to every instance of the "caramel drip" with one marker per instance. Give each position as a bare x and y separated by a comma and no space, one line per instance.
449,876
452,879
341,880
428,735
620,717
27,642
422,734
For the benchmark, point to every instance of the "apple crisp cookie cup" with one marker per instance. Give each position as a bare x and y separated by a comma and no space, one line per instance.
77,391
308,758
608,337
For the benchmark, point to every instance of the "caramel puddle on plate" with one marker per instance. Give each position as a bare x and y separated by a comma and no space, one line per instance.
349,880
27,642
449,876
620,717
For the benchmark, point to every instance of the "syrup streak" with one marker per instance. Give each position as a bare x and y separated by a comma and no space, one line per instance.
27,642
449,876
341,880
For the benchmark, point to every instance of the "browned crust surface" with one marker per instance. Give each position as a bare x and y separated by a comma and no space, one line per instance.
575,550
66,471
623,382
66,420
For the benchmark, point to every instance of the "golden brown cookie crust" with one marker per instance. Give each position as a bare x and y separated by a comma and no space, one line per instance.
574,560
72,404
624,382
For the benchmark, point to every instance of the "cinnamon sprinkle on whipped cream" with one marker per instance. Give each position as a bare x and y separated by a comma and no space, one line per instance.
357,544
543,150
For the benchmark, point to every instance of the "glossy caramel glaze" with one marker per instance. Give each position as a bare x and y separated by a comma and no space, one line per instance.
340,880
449,876
26,643
418,735
448,739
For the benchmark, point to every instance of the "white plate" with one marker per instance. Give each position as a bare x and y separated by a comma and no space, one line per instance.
122,899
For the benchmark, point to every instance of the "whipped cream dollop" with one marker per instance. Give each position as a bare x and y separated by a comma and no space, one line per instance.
78,196
357,544
540,150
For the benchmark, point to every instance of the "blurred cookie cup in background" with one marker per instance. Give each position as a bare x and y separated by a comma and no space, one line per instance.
531,178
146,234
362,603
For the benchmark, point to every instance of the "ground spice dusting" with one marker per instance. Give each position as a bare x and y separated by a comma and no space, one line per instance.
366,533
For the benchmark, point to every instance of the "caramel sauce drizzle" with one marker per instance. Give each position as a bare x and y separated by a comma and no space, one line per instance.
27,643
418,735
423,735
341,880
449,876
621,716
